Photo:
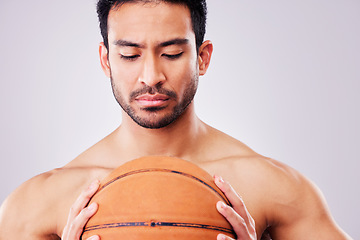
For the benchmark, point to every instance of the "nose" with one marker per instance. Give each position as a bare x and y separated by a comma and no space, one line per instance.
151,74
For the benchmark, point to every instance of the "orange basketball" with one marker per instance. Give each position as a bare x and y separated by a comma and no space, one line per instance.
153,198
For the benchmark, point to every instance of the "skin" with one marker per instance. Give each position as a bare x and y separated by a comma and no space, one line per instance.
292,209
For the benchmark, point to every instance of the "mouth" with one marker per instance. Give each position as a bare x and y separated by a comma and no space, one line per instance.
151,101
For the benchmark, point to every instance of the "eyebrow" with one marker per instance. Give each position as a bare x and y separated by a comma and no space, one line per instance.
176,41
124,43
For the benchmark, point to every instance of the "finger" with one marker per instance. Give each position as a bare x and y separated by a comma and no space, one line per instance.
77,225
234,198
224,237
83,200
96,237
237,222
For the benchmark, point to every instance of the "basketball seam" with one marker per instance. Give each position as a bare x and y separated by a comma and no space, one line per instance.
158,224
162,170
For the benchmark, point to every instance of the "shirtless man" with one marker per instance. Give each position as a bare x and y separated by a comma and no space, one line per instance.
153,52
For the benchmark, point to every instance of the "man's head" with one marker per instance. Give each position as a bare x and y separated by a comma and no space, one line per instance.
153,60
197,9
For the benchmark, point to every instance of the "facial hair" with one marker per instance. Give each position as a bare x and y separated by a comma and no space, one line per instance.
152,112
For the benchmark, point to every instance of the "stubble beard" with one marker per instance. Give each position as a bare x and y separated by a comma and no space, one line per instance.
151,121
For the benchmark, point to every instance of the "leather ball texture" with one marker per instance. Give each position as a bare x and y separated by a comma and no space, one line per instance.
157,197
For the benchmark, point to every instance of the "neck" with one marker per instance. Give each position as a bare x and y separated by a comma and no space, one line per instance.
179,139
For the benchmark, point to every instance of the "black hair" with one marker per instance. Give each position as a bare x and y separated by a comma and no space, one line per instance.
198,12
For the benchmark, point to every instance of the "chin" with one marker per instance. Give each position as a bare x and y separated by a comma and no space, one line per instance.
156,122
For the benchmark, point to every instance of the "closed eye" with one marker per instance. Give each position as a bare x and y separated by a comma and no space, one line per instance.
129,57
173,56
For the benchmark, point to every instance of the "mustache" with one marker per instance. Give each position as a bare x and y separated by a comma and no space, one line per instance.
152,91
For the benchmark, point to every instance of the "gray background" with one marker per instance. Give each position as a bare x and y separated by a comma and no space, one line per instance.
284,79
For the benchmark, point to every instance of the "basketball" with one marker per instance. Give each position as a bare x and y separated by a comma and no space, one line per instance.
154,198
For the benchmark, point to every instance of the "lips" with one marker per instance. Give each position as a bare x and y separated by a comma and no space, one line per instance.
147,100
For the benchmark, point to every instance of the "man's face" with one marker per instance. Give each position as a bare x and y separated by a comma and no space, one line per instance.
152,61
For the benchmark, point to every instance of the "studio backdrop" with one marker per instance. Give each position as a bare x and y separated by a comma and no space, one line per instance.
284,79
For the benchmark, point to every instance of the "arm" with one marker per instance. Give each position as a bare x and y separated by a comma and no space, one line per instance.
294,207
306,215
33,212
23,215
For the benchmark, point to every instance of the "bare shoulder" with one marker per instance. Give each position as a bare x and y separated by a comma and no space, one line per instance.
258,179
38,208
25,213
280,198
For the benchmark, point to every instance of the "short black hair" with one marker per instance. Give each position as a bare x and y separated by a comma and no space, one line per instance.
198,12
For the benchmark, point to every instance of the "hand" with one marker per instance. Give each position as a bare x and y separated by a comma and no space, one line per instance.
79,214
238,216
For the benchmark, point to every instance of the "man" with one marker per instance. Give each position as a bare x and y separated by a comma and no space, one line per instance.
153,52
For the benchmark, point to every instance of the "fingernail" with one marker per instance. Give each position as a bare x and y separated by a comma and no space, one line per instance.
221,237
223,205
93,238
92,206
220,179
94,185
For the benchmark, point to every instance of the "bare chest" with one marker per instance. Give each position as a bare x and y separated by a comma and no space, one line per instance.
78,181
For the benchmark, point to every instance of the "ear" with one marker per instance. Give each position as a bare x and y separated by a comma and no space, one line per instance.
104,59
205,52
